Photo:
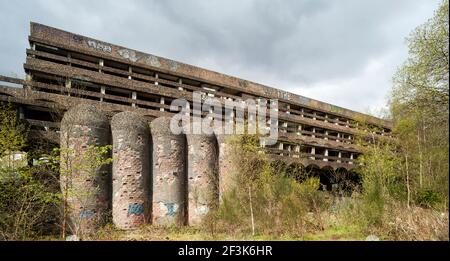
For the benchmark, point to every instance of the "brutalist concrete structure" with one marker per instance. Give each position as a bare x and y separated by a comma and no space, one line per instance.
169,174
65,69
131,198
203,180
88,188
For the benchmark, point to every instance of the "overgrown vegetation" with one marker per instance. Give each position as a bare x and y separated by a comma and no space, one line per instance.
266,201
405,180
403,193
32,201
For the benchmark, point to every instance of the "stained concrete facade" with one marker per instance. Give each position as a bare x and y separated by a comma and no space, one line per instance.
169,174
65,69
203,179
131,197
87,187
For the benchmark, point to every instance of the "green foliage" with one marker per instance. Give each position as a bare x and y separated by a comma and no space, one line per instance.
28,205
12,131
28,198
428,198
278,204
420,109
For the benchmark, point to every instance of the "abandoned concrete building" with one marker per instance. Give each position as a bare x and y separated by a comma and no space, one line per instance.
115,95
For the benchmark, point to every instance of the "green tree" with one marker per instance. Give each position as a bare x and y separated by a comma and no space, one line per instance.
420,109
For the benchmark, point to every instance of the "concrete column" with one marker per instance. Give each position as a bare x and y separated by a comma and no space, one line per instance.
351,158
68,85
100,63
313,151
133,97
131,203
89,202
203,181
297,150
326,155
339,156
314,131
180,81
285,125
102,91
226,166
161,101
326,135
130,71
338,136
299,130
156,77
288,108
169,191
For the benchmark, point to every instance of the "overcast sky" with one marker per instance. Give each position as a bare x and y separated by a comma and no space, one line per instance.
342,52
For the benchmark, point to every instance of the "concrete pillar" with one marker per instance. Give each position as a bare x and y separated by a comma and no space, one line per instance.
131,203
100,63
161,101
88,189
203,182
314,131
102,91
351,158
169,175
180,81
326,155
68,85
326,135
313,152
339,156
133,97
227,170
297,151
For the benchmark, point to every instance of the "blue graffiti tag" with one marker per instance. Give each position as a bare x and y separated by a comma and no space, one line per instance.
85,214
171,209
135,209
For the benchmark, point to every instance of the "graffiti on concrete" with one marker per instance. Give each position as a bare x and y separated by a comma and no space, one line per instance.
128,54
86,214
173,65
153,61
172,209
135,209
99,46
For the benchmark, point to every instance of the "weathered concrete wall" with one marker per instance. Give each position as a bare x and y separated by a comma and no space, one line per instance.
225,164
131,202
169,175
88,189
203,183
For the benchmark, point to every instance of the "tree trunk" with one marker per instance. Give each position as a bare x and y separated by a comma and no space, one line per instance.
407,181
251,210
